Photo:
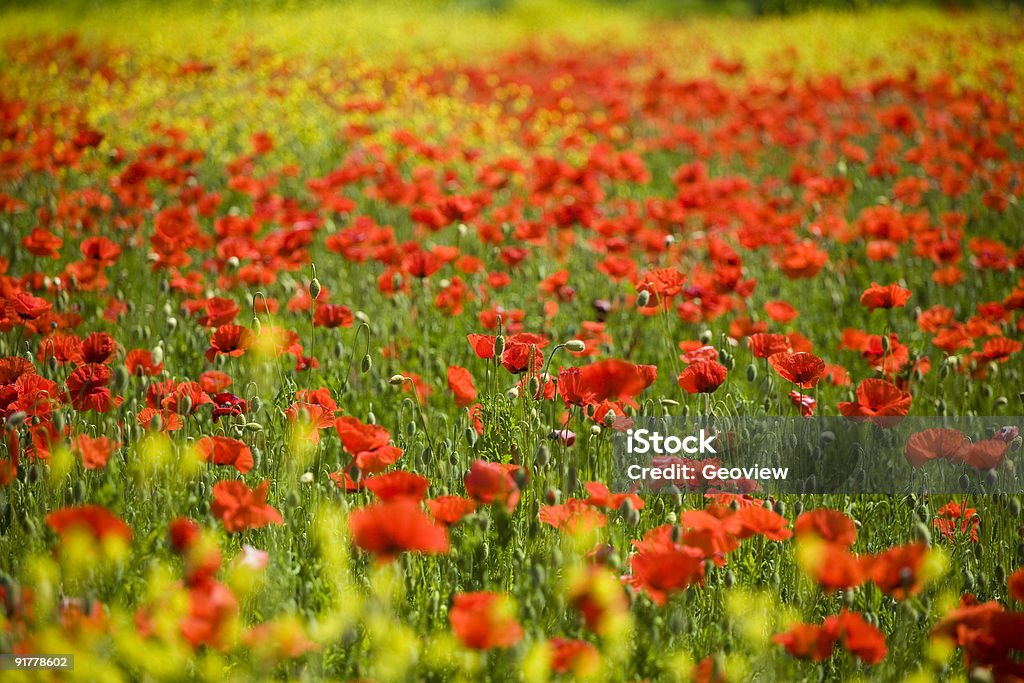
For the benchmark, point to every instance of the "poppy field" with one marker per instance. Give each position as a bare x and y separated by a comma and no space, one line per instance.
317,329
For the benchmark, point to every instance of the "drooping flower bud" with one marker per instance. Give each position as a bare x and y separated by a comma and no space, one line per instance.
576,345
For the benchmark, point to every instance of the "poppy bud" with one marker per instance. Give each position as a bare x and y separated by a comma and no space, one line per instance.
576,345
1014,505
922,533
16,419
253,427
314,288
551,496
470,436
306,478
705,337
676,534
120,379
158,355
371,418
366,364
572,479
185,405
410,429
157,423
643,298
172,323
257,326
499,346
233,262
609,418
534,386
292,500
397,380
730,579
543,456
1001,402
513,393
751,373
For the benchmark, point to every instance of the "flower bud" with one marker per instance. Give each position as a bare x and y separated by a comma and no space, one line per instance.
397,380
576,345
314,288
366,364
643,298
16,419
499,346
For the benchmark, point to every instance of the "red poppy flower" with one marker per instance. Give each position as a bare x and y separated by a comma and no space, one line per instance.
983,455
23,308
802,260
877,398
42,242
140,362
573,517
484,620
831,526
93,519
86,389
802,369
765,345
450,510
98,347
955,520
577,657
212,608
889,296
228,405
396,526
333,315
240,508
758,520
460,381
94,451
666,568
398,484
616,380
357,437
218,311
229,340
1015,584
702,377
223,450
932,444
491,482
896,571
185,398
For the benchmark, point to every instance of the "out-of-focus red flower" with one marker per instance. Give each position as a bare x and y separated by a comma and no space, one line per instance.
397,484
888,296
460,381
484,620
95,451
224,450
491,482
240,508
449,509
396,526
93,519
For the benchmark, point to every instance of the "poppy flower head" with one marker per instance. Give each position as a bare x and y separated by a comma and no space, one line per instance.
702,377
395,526
484,620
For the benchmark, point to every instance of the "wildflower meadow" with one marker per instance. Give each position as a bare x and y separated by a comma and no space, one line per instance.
327,332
